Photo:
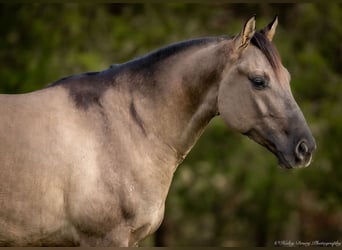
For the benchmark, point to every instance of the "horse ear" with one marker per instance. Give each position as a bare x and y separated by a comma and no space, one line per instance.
242,40
270,29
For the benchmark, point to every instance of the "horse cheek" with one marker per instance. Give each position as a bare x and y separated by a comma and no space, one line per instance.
234,108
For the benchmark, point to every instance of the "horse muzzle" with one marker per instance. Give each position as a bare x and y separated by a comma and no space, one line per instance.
289,155
298,157
303,152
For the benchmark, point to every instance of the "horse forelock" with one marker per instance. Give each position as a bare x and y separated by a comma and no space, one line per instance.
268,49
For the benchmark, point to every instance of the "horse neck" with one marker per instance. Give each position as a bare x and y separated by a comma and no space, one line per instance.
178,100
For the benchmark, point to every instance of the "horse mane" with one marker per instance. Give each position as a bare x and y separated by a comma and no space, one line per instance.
160,54
268,49
147,61
259,40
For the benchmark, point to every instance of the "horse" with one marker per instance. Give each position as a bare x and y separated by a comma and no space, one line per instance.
88,160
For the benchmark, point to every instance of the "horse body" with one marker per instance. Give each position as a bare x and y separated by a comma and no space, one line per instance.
90,159
104,167
30,181
71,184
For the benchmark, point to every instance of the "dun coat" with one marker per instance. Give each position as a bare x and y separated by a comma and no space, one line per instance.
89,160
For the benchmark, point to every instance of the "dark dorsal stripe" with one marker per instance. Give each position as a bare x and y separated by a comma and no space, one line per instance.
85,89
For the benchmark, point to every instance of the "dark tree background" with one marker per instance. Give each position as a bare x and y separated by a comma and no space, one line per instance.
229,191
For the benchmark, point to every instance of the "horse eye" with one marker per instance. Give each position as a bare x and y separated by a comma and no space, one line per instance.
258,82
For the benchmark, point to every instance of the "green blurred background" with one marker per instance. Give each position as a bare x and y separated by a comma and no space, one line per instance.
229,190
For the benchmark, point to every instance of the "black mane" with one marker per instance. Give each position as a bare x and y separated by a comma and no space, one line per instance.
149,59
160,54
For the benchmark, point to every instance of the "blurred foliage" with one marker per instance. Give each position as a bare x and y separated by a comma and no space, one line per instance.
228,192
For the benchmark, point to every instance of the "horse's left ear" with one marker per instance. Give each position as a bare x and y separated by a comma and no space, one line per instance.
270,29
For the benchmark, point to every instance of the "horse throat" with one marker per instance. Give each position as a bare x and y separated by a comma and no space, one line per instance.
198,121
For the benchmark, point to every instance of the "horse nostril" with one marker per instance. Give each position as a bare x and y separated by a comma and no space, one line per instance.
301,150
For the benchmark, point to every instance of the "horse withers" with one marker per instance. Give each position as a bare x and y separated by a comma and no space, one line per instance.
89,160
